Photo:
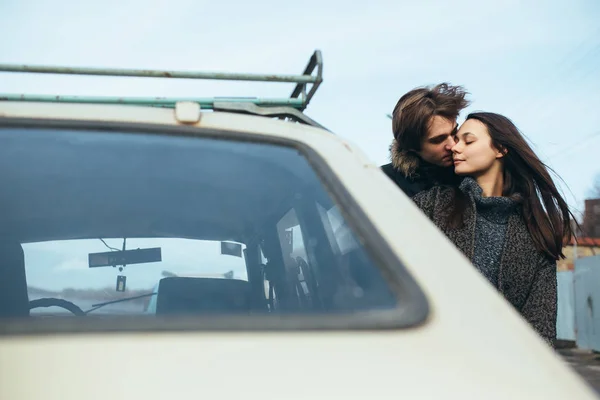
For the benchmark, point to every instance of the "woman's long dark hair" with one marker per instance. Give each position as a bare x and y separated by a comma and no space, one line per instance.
545,212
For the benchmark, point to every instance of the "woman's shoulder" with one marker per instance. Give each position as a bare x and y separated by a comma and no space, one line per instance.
436,198
441,192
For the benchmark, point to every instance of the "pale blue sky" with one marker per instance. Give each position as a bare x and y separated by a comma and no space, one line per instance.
535,61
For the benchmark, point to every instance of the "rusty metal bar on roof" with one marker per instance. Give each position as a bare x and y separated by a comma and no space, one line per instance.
205,103
299,99
315,62
300,79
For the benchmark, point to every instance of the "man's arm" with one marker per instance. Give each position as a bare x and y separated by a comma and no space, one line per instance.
408,186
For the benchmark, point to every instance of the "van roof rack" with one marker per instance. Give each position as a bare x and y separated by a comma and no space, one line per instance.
284,108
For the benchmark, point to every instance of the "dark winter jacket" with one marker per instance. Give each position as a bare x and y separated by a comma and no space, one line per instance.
524,275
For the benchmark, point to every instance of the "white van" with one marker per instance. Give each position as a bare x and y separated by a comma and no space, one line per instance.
341,287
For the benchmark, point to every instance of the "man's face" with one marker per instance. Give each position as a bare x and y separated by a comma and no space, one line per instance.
436,147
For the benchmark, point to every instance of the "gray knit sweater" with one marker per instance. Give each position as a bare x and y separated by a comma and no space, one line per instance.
525,277
490,228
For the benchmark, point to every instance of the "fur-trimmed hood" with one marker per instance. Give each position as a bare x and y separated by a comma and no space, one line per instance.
407,162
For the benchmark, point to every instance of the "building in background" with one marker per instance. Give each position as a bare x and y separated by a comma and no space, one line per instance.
588,237
591,218
585,247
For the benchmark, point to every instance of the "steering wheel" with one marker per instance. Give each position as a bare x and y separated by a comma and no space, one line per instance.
52,301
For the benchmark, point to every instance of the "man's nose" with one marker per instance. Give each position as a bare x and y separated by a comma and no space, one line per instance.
450,143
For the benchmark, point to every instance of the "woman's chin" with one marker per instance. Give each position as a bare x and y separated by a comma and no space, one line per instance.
460,171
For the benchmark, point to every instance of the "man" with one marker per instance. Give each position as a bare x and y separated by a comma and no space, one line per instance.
424,125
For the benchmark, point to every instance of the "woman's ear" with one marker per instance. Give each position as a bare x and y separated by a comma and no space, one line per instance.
501,153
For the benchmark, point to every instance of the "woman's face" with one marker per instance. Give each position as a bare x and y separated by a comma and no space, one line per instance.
473,154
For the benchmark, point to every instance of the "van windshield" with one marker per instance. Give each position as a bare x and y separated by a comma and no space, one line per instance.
172,225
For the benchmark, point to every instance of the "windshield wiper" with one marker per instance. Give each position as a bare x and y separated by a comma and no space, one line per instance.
100,305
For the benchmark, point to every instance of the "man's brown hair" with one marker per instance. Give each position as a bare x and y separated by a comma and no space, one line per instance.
414,111
413,114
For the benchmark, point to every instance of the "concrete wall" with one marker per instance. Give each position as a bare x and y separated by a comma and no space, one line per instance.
587,302
565,319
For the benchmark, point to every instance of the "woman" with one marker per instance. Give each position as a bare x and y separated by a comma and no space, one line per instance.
506,216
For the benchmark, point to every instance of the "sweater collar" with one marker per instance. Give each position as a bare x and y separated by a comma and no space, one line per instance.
497,208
